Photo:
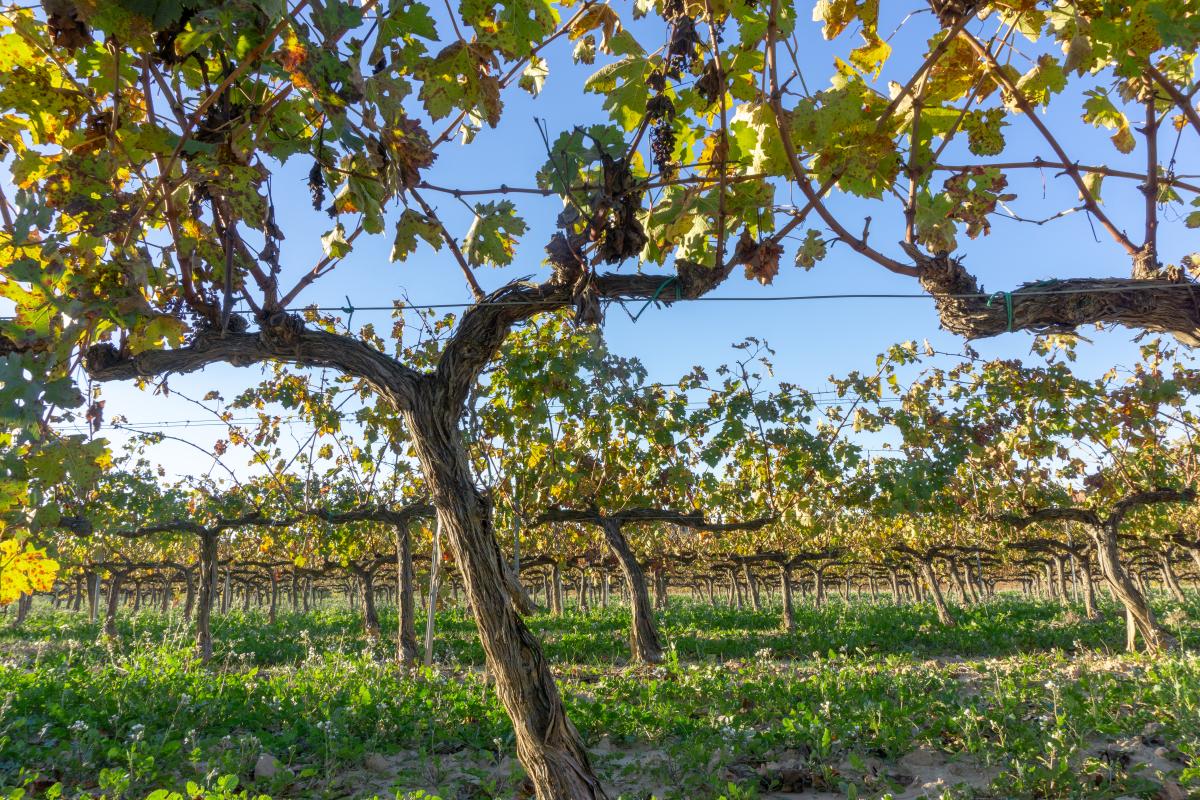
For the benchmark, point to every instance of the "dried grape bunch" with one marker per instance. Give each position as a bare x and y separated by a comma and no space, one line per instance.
621,234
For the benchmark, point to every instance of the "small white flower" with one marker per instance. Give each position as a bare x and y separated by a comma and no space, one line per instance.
79,726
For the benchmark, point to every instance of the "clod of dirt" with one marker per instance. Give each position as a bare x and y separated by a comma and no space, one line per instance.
377,763
266,768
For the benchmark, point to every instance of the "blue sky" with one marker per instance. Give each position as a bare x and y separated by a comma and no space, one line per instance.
812,338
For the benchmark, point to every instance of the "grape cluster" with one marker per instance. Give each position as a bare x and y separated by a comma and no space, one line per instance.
682,51
660,113
684,46
662,148
316,185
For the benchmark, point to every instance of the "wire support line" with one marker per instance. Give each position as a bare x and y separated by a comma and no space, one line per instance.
1018,293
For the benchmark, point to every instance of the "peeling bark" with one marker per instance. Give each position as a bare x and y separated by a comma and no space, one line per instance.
548,745
1139,611
1060,306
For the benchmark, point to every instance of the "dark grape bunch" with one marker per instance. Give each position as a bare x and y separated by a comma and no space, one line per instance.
316,185
660,114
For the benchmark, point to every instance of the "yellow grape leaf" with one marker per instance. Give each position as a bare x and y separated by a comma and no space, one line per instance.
23,571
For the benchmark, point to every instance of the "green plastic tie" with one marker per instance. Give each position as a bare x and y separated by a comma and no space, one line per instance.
348,310
1007,306
654,297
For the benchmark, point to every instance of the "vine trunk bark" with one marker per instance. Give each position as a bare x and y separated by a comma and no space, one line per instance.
1170,578
548,745
407,652
207,596
1138,610
789,613
644,642
366,584
935,592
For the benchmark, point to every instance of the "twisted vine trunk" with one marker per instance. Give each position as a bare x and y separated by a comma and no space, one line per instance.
227,591
935,592
959,585
189,597
755,600
1069,590
785,583
207,597
407,652
582,590
93,590
548,745
644,642
273,609
114,600
659,577
1170,578
1138,611
366,587
556,588
1089,591
819,587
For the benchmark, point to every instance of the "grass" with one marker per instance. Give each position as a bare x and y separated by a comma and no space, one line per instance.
1021,699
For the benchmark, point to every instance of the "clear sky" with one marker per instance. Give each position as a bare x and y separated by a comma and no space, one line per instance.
813,338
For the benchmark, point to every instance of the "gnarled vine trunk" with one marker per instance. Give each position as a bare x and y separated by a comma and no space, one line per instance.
1123,588
548,745
1089,591
273,609
366,585
114,600
189,597
556,589
207,596
752,584
1170,578
935,592
93,590
644,643
785,583
406,635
